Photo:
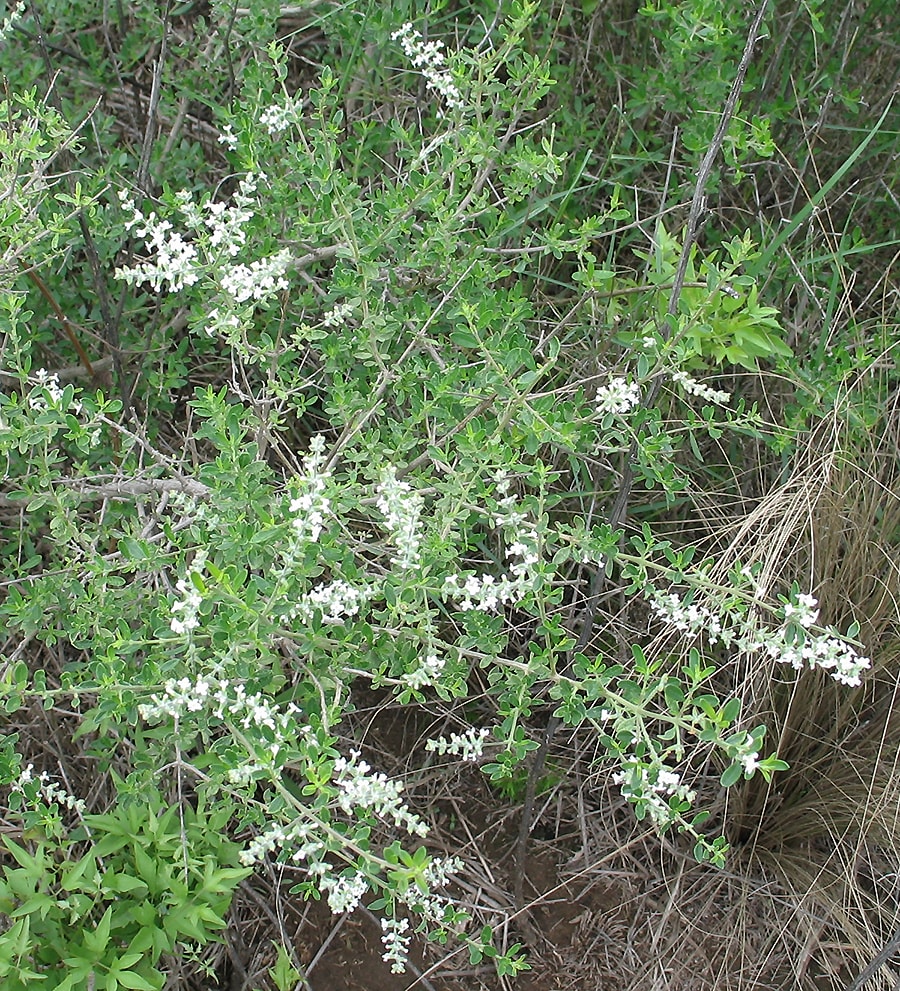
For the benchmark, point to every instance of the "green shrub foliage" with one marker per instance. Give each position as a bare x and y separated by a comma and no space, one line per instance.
342,387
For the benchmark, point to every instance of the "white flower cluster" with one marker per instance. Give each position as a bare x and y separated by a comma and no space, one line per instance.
50,384
401,508
276,837
792,643
337,315
298,834
344,893
690,618
431,905
48,789
650,787
225,224
359,789
428,672
221,700
11,19
804,611
469,745
49,394
175,261
522,531
838,658
396,944
334,601
485,592
430,59
243,774
227,137
441,869
618,397
280,116
312,506
185,612
216,233
258,280
695,388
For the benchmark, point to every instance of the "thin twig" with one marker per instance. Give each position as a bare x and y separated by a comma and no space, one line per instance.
64,374
891,947
130,488
143,174
63,319
698,204
319,255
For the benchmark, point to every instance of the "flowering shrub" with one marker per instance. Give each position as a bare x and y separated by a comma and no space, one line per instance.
368,492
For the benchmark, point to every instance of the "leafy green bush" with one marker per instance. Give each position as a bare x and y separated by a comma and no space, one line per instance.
151,880
355,451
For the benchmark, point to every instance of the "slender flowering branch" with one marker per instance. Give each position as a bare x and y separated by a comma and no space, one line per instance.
401,508
469,746
430,59
215,234
42,786
794,642
695,388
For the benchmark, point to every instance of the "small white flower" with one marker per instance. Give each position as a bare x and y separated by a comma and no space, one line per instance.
804,611
225,325
618,397
228,138
749,762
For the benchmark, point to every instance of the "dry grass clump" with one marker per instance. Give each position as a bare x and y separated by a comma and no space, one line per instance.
815,890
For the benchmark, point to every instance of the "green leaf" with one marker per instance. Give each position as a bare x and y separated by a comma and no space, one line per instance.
98,940
129,979
464,339
284,974
730,711
731,775
75,878
123,883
